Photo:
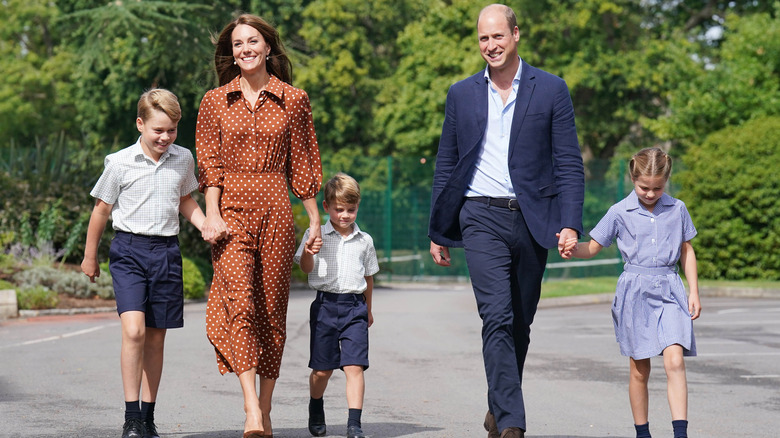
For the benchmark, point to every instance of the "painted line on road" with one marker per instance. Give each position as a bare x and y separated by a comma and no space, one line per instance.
63,336
769,353
761,376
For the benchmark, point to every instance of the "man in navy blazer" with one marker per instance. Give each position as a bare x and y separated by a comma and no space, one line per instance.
508,186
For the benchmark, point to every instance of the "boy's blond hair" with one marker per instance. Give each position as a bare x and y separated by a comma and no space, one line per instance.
342,188
159,99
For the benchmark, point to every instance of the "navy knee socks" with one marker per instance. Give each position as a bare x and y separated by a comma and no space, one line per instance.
132,410
680,428
354,417
642,430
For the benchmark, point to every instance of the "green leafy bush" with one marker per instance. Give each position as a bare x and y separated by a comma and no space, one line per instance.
36,298
732,189
194,284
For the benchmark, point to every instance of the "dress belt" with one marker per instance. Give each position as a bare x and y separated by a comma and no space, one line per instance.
496,202
660,270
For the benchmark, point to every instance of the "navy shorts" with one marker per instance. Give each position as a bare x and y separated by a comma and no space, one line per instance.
339,331
147,276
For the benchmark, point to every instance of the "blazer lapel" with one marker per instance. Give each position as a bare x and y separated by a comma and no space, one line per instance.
525,92
477,100
481,103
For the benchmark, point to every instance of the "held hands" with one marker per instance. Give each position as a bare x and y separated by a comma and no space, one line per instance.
313,247
214,229
567,243
314,242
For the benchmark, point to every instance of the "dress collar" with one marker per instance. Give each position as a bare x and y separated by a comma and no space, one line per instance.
274,86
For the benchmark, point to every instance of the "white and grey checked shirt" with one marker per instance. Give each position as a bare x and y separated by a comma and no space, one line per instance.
343,262
145,194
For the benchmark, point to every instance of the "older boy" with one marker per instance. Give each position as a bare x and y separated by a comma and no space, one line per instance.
341,269
143,188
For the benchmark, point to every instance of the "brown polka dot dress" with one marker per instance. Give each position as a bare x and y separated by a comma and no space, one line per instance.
253,154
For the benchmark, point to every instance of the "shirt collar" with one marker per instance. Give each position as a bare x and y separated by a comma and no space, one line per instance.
327,228
632,201
275,86
138,151
518,73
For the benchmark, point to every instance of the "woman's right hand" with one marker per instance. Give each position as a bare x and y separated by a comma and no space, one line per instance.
214,228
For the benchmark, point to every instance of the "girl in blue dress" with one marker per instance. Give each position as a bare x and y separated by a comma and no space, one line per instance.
651,312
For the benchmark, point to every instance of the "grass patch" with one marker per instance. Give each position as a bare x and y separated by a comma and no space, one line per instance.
752,284
600,285
578,286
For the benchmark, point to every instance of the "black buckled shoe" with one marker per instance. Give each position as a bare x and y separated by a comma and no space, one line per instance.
151,429
133,428
355,432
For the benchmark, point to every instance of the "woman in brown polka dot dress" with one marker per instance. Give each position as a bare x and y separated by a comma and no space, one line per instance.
255,136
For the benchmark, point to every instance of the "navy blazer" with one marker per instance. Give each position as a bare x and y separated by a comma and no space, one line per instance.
545,164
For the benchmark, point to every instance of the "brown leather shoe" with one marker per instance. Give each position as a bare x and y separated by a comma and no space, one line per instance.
513,432
490,425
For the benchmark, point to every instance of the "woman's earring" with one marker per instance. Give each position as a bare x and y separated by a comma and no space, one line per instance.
267,57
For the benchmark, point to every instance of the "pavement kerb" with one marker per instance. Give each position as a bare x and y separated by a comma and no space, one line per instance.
704,291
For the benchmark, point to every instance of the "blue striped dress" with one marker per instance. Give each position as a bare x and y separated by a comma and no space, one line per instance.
650,309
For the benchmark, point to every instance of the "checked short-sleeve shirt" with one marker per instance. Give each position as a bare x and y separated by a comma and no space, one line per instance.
343,262
145,194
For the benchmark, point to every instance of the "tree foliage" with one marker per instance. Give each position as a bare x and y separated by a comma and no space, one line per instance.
640,73
740,82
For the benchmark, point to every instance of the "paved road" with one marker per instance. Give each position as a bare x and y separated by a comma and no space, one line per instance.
59,375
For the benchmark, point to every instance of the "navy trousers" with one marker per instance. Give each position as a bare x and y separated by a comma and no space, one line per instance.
506,266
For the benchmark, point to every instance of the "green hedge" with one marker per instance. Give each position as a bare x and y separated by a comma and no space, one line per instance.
732,190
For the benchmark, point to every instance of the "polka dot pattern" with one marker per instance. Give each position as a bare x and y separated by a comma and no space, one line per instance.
253,154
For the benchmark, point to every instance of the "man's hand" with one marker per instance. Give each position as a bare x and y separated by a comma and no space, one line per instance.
440,254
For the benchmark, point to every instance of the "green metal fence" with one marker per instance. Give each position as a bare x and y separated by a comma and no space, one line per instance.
395,204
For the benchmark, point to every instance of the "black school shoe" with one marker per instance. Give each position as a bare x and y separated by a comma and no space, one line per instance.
317,423
151,429
133,428
355,432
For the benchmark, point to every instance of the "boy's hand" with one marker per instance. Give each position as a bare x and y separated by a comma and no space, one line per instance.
314,246
91,269
370,318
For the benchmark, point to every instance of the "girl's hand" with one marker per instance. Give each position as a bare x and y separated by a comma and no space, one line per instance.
694,305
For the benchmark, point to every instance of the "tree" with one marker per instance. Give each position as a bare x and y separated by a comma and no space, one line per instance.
127,47
740,82
351,48
435,52
35,87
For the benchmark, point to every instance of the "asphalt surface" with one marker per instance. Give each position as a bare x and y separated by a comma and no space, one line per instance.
59,374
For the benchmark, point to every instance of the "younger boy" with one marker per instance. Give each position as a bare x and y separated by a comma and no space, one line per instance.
341,269
143,188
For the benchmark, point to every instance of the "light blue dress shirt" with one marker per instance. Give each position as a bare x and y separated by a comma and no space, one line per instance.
492,175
